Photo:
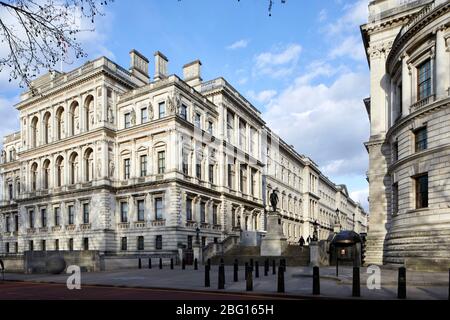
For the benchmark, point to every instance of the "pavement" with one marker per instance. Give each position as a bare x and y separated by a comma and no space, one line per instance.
298,282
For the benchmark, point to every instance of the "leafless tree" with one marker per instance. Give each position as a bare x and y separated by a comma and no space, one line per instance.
37,34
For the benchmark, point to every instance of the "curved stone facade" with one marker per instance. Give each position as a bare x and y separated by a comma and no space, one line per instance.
409,147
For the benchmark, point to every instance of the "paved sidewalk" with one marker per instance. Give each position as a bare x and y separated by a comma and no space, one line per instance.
298,281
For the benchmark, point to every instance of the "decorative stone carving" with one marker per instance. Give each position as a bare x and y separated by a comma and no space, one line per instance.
3,157
110,115
111,169
133,117
150,111
99,168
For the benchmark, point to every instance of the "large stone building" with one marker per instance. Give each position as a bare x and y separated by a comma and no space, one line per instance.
108,160
408,49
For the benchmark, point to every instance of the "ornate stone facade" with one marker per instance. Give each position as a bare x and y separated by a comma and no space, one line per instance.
160,161
409,109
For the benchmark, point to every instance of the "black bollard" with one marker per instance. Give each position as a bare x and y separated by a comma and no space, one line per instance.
280,279
207,279
401,293
149,263
139,263
221,282
274,270
183,264
266,267
195,264
249,278
256,269
171,263
235,271
160,263
316,281
209,263
356,289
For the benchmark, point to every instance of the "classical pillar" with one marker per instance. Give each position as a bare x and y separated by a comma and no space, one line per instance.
441,79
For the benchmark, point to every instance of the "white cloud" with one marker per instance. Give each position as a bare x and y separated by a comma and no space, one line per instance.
326,122
354,15
323,15
350,47
361,197
279,62
262,96
238,44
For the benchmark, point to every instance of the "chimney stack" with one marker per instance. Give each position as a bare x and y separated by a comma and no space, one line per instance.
139,65
160,66
192,73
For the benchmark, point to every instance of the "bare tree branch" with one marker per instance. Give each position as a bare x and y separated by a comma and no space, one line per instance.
37,34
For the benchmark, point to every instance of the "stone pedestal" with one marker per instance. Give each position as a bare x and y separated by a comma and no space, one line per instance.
274,243
198,253
314,255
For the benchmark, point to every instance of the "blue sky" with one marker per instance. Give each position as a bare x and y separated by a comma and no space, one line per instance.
304,67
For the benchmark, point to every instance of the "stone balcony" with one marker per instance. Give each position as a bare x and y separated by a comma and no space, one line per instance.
43,230
158,223
85,226
31,231
422,103
140,224
123,225
56,228
71,227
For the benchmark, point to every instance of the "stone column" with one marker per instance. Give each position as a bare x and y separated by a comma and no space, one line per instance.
442,66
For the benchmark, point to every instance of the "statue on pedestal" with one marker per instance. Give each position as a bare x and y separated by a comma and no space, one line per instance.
274,200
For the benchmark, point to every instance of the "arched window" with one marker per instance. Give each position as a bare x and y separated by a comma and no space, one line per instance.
34,132
46,174
74,117
73,168
47,126
60,123
34,168
89,165
88,112
59,166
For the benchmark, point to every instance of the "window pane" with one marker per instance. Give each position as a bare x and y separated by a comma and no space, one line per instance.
141,210
161,162
158,208
123,212
162,109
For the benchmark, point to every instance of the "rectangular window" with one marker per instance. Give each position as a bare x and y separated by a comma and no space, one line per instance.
141,210
17,247
16,224
161,162
211,173
395,151
57,215
126,169
243,173
183,112
185,163
43,245
424,80
197,120
31,245
242,134
158,242
85,213
127,120
108,93
8,223
162,109
210,127
198,171
420,137
189,209
31,219
85,244
123,244
233,217
395,198
143,166
144,115
71,215
44,218
254,182
214,214
7,247
10,192
203,242
230,175
230,126
57,245
123,212
158,208
202,212
140,243
421,183
71,244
